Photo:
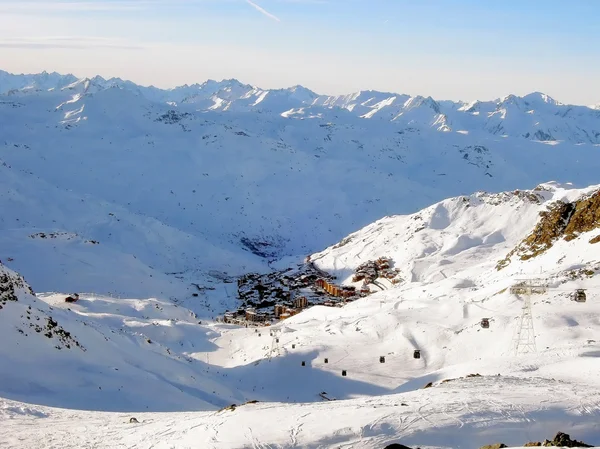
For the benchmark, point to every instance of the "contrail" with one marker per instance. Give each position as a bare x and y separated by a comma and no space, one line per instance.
264,11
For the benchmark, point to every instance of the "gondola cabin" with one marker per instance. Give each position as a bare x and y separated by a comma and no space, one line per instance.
485,323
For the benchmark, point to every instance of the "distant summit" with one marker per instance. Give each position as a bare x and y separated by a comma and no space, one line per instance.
535,116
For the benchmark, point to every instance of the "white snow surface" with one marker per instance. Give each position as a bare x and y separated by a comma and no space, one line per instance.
153,200
182,185
447,254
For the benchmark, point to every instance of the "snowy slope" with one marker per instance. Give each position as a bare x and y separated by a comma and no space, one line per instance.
103,353
154,200
448,254
463,414
112,162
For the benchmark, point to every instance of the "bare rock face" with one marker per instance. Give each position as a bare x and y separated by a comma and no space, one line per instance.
20,309
564,440
9,285
561,220
560,440
494,446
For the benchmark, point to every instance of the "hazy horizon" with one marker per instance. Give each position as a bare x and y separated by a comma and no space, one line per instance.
447,50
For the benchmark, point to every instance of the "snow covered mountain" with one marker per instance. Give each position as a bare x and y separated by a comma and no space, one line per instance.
149,203
192,185
99,354
535,116
457,260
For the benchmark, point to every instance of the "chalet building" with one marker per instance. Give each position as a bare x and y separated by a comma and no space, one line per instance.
254,317
335,290
279,309
300,302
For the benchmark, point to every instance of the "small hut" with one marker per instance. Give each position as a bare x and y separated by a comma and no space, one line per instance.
417,354
73,298
579,295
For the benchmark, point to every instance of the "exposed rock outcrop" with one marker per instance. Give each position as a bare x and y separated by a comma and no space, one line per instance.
564,440
560,440
17,299
566,220
397,446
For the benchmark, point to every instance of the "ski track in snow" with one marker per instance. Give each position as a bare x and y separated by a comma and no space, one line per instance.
435,411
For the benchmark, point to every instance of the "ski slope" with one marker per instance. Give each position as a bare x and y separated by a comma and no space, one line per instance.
463,414
195,369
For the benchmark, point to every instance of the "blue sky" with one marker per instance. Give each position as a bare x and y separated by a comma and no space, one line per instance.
450,49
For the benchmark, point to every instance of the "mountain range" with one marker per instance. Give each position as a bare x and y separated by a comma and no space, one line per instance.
536,116
150,203
185,186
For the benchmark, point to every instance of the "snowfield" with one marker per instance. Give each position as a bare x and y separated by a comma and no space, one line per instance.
144,172
207,366
149,203
460,414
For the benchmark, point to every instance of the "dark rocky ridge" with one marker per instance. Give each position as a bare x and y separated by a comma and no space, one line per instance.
566,220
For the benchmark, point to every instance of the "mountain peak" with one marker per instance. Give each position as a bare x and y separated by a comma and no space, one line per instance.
539,97
420,101
534,99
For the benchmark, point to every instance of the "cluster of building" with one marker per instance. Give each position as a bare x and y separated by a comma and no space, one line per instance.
369,271
324,293
245,317
251,316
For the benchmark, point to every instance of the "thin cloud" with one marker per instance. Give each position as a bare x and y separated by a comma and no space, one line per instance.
34,6
73,42
263,11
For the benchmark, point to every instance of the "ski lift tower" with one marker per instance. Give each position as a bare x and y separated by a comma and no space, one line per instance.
524,337
274,352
